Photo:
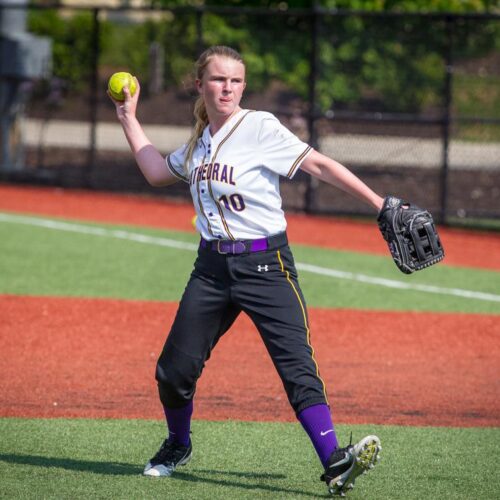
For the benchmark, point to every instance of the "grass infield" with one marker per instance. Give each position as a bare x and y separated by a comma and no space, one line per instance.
42,261
75,458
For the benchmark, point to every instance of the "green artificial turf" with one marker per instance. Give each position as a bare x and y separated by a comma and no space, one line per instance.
75,459
43,261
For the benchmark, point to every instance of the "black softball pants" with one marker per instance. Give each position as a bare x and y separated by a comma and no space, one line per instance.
262,284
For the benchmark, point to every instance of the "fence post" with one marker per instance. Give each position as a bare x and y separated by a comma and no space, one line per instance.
94,92
156,68
312,182
199,32
446,118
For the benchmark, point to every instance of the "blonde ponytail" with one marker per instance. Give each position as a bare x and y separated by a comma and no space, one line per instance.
200,114
200,111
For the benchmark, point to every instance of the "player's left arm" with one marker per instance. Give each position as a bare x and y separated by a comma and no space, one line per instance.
334,173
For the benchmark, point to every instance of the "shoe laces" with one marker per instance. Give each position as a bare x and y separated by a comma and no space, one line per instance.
344,450
338,455
169,453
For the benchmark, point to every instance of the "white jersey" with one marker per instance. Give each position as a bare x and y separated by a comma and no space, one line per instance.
234,176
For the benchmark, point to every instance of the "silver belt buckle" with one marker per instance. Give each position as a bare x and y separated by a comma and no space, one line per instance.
236,247
218,248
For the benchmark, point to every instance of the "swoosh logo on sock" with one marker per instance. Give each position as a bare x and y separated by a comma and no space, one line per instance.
324,433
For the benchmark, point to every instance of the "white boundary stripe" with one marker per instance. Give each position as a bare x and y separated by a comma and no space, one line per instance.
166,242
372,280
97,231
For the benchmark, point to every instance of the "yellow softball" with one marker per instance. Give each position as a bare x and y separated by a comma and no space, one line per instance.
119,80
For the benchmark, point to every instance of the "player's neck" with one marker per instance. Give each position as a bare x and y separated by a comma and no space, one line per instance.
218,121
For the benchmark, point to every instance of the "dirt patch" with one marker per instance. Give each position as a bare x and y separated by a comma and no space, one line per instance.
463,248
96,358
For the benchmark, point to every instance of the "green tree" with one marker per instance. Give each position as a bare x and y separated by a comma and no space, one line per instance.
71,42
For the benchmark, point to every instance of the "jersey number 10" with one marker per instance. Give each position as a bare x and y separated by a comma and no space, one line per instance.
234,202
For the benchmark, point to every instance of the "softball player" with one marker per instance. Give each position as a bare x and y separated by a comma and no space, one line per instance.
232,164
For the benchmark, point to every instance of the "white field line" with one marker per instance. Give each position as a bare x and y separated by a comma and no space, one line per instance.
97,231
166,242
373,280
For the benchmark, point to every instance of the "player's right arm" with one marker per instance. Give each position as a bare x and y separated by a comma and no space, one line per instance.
148,158
334,173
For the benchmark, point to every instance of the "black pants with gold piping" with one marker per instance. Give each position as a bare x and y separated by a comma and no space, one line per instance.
264,285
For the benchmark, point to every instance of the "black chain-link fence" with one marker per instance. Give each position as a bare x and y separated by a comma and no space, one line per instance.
409,102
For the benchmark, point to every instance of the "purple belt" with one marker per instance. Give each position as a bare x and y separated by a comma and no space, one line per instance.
245,246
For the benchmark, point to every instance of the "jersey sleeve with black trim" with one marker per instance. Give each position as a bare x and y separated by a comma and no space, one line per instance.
281,151
175,163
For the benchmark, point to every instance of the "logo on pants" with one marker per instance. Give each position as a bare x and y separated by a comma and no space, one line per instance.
262,268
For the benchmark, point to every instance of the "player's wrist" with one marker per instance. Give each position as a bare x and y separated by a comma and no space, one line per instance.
378,203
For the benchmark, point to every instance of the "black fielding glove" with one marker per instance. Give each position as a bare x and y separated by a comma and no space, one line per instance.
411,235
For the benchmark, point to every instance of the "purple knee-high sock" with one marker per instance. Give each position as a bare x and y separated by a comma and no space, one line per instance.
179,423
317,422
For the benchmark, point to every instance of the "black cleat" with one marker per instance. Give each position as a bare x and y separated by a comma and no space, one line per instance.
169,456
346,464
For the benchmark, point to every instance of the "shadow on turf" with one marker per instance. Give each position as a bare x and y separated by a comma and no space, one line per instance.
108,468
185,476
124,469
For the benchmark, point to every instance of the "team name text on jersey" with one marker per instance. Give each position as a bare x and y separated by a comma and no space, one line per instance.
213,172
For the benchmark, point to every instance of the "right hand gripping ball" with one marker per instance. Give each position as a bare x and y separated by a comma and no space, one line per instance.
119,80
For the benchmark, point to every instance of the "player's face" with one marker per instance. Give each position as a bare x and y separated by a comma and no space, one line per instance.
222,86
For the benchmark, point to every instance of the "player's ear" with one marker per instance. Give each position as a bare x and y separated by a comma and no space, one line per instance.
199,86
